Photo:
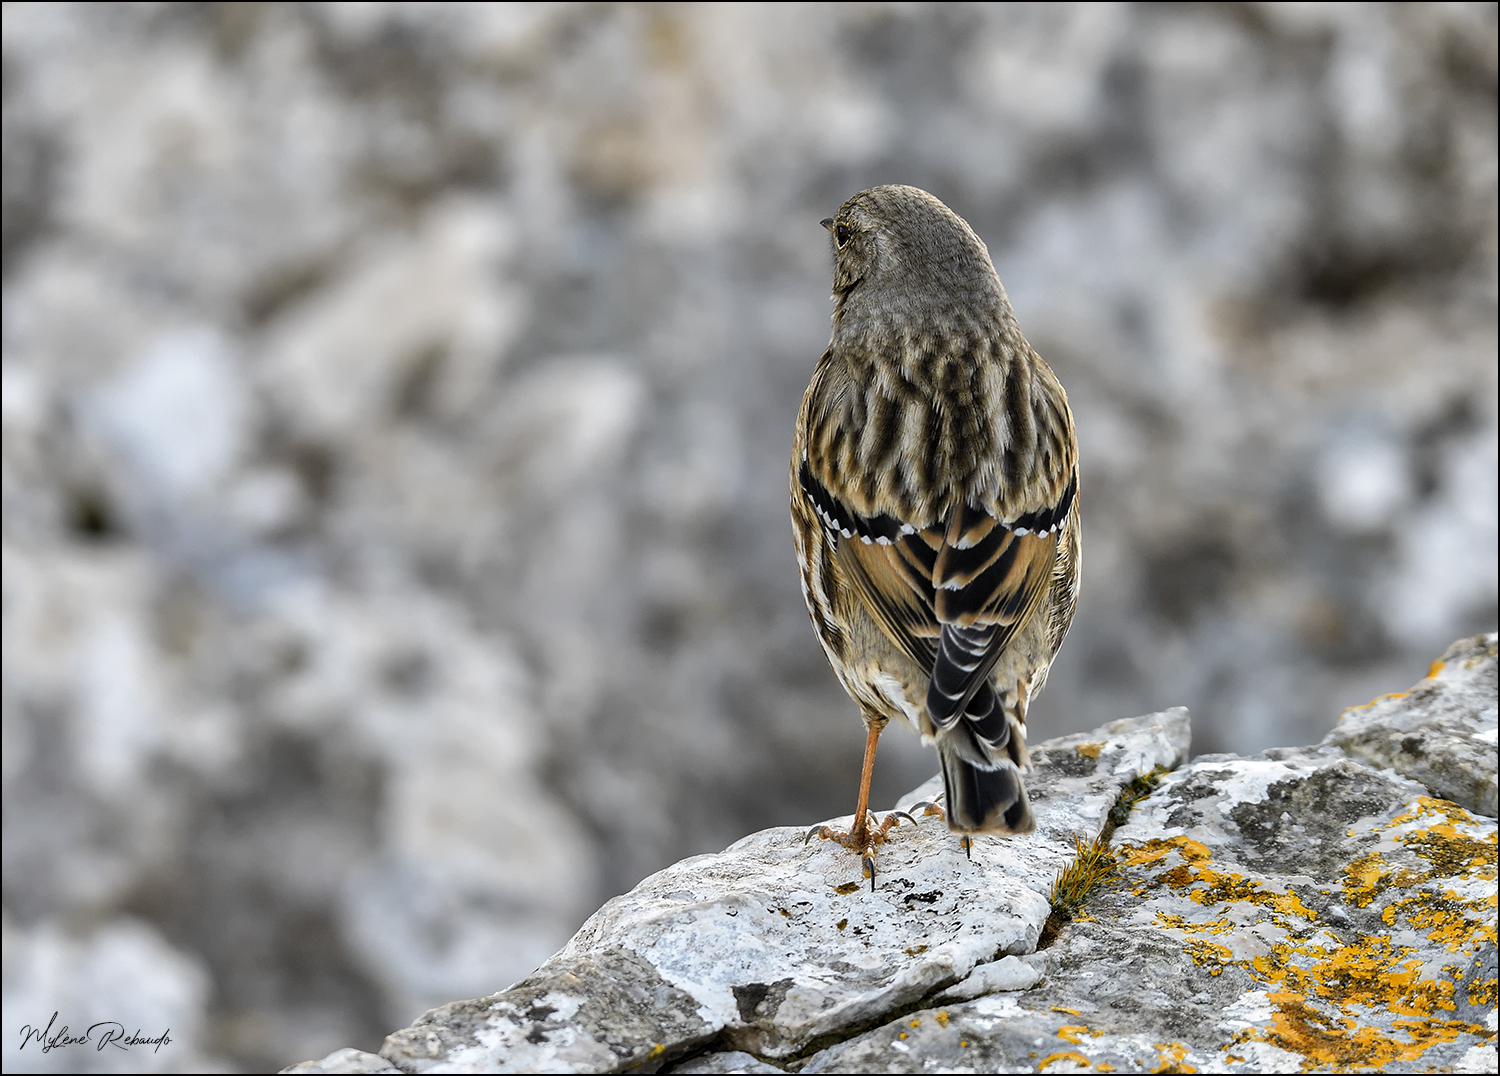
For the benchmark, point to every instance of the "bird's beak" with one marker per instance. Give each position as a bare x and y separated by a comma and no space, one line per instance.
827,222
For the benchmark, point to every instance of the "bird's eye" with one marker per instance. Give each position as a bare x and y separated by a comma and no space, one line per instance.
841,235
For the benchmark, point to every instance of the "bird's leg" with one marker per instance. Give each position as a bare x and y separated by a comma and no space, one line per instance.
861,831
862,837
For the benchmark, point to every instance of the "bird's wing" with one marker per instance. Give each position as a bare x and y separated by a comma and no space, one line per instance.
951,595
888,561
988,579
951,587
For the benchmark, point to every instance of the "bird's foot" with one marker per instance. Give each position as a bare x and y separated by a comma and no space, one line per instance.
866,834
932,807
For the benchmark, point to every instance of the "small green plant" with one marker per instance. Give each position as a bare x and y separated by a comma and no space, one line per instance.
1072,888
1138,789
1093,863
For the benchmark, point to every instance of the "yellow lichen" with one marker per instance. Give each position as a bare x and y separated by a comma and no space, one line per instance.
942,1017
1090,750
1341,1043
1073,1033
1210,956
1170,1057
1188,926
1444,919
1323,992
1452,852
1484,992
1206,886
1137,855
1377,700
1363,883
1068,1055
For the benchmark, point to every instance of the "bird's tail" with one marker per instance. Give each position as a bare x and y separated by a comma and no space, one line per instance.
982,756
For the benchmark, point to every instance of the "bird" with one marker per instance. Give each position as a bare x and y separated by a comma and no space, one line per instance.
935,507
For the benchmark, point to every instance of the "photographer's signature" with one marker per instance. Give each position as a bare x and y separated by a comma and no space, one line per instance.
99,1035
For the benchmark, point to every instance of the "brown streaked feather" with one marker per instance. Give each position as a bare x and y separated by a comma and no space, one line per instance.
980,618
898,597
971,570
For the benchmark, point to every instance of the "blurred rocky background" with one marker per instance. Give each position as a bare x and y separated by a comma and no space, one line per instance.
397,400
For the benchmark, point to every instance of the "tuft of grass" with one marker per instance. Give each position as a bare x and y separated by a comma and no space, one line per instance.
1072,888
1139,788
1093,864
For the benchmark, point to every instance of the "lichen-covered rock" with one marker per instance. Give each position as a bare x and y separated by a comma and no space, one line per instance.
778,944
603,1010
1442,732
1293,911
1299,910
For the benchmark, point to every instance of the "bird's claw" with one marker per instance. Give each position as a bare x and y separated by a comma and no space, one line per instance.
929,807
862,838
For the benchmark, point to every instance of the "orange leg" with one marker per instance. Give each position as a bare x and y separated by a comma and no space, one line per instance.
861,828
862,837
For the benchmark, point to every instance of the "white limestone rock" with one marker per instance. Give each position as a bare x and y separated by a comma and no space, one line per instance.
348,1060
1290,911
730,1061
1442,732
1007,973
778,942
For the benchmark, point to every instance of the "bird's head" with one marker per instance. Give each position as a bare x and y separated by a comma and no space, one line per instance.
899,253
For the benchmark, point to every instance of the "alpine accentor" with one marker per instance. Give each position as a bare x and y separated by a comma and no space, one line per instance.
934,504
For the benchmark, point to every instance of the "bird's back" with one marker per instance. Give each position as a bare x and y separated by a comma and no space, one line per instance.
935,499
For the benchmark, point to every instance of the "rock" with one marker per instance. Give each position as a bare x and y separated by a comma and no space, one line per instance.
1442,732
120,972
604,1010
348,1060
1296,910
732,1061
1008,973
777,943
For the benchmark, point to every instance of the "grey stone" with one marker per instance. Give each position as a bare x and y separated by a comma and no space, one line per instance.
778,943
731,1061
604,1010
1007,973
347,1060
1442,732
1296,910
